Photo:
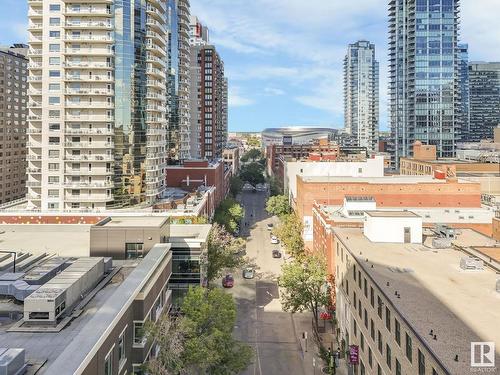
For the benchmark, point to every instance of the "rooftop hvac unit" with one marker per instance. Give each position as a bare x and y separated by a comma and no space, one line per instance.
471,264
444,231
12,361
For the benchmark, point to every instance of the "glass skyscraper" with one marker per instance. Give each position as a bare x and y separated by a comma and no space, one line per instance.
463,76
423,69
361,94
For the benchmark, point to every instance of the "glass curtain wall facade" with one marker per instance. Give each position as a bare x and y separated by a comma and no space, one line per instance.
361,94
463,74
173,82
423,69
484,86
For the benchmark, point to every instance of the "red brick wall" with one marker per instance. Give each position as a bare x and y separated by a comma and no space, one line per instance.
496,229
49,219
445,194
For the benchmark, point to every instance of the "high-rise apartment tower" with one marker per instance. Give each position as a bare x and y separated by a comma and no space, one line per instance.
361,94
423,74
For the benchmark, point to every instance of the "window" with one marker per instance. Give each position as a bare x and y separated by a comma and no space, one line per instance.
366,288
53,140
55,34
360,309
362,368
54,47
54,86
372,297
355,327
397,331
53,193
54,73
380,346
53,166
398,367
122,358
366,319
54,7
372,329
54,61
388,318
54,100
362,340
108,363
54,113
354,271
359,279
379,304
133,250
421,363
408,348
54,126
54,21
370,357
53,180
379,370
388,355
434,372
139,338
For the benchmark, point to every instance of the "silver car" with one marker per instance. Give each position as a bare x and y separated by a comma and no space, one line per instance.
248,273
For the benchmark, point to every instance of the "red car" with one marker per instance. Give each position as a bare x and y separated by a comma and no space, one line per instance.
228,281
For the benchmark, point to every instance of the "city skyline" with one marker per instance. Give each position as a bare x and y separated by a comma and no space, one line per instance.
295,77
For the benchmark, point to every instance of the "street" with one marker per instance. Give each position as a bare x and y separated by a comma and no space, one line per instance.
261,322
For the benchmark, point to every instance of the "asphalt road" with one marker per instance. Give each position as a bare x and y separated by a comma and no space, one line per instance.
261,321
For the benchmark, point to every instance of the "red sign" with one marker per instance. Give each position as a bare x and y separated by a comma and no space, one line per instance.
353,354
325,316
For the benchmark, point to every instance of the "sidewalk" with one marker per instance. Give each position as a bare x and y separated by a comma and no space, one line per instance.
312,363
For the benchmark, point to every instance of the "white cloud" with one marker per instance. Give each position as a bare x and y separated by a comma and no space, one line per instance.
273,91
236,99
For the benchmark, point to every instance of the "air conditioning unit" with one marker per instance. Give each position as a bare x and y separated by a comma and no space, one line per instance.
471,264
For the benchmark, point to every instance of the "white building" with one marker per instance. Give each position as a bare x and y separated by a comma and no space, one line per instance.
373,167
97,101
393,227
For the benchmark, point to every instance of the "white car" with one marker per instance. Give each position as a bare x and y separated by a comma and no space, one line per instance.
274,240
270,226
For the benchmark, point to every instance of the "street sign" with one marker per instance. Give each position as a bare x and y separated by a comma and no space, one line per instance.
353,354
314,362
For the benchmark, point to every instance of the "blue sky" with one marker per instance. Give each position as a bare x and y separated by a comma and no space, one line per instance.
284,57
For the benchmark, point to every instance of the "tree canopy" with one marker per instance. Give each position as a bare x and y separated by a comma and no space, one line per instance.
235,185
229,214
221,249
252,154
253,173
289,232
278,205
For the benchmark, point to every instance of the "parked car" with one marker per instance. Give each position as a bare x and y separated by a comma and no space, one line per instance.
276,254
274,240
270,226
228,281
248,273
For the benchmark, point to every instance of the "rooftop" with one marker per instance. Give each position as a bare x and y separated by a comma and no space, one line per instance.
381,213
133,221
188,235
67,349
460,306
396,179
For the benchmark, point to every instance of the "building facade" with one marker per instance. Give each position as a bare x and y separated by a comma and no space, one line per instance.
97,114
13,110
463,74
423,74
484,86
361,94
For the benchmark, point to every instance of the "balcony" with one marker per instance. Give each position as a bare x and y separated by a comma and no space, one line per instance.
88,172
88,198
87,11
86,78
89,38
86,91
33,184
88,51
100,118
93,131
89,157
89,24
92,145
93,105
87,185
87,64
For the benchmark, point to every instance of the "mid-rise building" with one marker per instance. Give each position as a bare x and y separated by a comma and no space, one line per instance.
361,94
423,73
208,102
97,113
198,33
484,86
13,110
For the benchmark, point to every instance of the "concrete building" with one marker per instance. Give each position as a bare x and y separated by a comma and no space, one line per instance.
484,102
97,113
103,333
386,292
231,156
424,95
361,94
13,111
208,102
198,33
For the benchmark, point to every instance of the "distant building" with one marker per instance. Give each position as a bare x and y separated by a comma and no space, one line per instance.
231,157
463,74
13,126
361,94
296,135
484,86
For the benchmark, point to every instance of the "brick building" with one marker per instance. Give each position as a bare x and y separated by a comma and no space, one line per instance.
231,156
195,173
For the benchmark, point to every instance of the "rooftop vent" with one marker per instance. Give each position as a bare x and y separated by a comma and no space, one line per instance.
471,264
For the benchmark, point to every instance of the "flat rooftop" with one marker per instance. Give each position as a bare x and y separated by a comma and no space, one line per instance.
188,235
391,214
429,215
64,351
133,221
395,179
460,306
68,240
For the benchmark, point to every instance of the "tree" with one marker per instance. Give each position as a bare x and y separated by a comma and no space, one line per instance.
253,173
200,340
235,185
229,214
275,186
278,205
253,142
289,231
304,287
221,249
252,154
207,325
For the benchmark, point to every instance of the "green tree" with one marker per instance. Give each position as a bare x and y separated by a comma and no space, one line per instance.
253,142
278,205
253,173
304,287
275,186
221,249
289,231
235,185
229,214
252,154
207,325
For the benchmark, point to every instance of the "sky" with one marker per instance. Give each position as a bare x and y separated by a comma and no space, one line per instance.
284,58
